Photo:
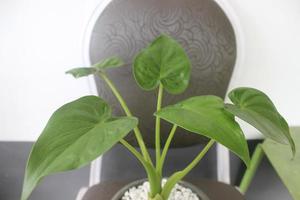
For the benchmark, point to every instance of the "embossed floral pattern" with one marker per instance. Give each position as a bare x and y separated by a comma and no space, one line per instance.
200,26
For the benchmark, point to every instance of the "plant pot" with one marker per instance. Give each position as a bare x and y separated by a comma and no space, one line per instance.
197,191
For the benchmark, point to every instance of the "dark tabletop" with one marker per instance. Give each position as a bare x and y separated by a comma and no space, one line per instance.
214,190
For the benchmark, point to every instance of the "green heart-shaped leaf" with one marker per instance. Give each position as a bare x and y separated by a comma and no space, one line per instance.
256,108
205,115
163,61
108,63
76,134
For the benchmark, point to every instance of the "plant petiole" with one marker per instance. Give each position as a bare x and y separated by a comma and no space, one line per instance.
157,125
136,130
254,163
181,174
166,148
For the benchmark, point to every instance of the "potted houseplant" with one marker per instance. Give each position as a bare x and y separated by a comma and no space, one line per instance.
84,129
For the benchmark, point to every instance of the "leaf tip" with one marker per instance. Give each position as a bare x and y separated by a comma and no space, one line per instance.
293,147
73,73
69,72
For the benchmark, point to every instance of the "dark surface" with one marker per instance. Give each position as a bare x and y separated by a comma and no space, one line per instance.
62,186
214,190
266,185
200,26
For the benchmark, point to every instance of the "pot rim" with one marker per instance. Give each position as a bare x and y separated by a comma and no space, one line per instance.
186,184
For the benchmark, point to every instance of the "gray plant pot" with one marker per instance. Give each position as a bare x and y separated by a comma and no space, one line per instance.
121,192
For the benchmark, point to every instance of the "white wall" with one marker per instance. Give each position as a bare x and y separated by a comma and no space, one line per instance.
39,41
271,60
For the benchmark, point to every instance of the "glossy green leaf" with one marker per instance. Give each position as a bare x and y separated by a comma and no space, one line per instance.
256,108
288,168
163,61
108,63
76,134
205,115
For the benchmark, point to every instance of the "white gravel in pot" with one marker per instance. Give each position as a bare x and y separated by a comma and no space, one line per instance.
140,192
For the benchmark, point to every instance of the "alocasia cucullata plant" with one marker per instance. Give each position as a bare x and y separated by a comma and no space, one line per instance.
84,129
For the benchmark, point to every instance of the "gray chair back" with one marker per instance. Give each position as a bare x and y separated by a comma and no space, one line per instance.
126,26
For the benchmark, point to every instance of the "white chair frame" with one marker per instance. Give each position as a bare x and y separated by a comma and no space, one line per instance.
223,154
95,168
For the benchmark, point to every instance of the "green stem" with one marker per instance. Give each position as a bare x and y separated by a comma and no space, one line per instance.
136,130
249,174
157,125
166,148
157,197
153,178
181,174
133,151
198,157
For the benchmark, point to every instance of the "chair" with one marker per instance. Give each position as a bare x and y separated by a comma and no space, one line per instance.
208,30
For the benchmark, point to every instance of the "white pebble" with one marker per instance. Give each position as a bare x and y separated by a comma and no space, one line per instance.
141,192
